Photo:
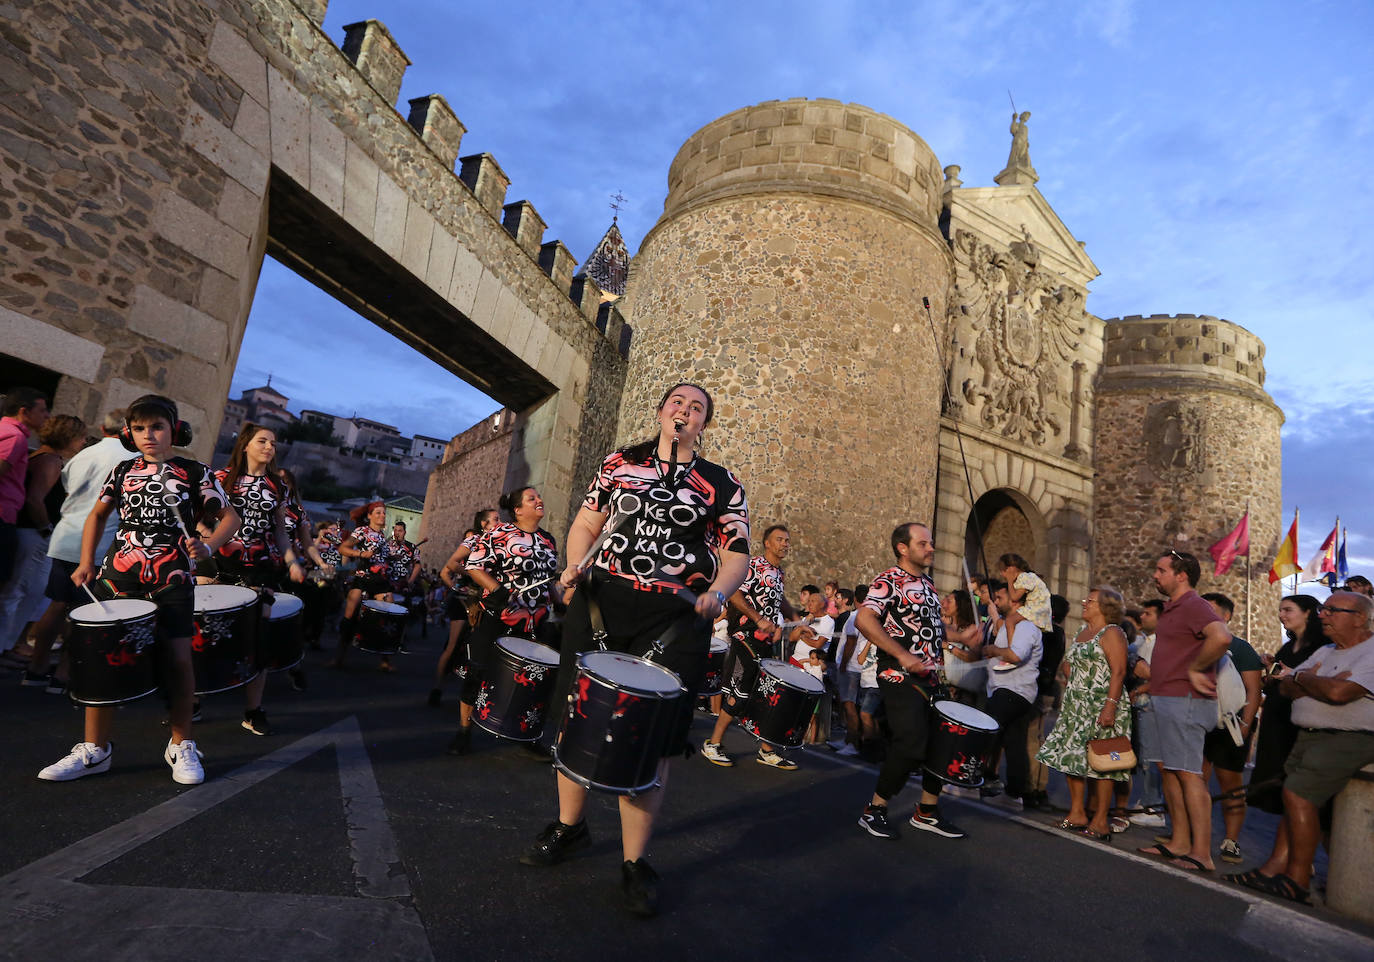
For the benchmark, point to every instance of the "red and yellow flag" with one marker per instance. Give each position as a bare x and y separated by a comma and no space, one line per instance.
1237,543
1286,562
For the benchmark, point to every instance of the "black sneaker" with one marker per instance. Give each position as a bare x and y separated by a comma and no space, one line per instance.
934,824
639,883
32,679
297,677
462,742
556,843
255,721
991,788
874,822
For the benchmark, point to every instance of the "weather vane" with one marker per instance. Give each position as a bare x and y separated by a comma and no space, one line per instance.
617,202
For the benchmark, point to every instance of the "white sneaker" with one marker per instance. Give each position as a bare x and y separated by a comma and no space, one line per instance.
1148,820
774,760
84,759
714,754
847,750
185,761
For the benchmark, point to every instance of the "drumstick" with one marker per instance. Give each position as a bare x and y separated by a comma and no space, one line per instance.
87,589
171,502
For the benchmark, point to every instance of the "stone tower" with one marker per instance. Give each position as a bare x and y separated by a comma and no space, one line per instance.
1186,436
786,276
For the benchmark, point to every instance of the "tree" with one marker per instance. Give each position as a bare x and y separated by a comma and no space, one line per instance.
310,431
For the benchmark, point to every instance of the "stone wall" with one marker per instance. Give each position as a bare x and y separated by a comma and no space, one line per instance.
786,277
472,477
1186,439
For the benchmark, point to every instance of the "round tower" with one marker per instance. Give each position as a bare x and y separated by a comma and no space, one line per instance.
1186,439
786,275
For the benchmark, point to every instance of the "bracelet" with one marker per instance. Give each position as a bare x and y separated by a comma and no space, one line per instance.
1114,701
720,597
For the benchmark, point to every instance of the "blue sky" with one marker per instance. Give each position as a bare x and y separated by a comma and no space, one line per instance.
1214,157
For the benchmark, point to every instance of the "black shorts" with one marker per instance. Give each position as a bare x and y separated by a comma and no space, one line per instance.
1219,749
455,606
176,604
741,674
634,621
60,587
370,584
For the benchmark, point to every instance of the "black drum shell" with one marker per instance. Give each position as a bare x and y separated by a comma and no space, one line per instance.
281,641
513,701
612,737
112,662
380,631
714,679
956,752
223,647
778,712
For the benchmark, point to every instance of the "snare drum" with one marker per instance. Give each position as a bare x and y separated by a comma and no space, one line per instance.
224,640
112,651
516,687
621,713
961,738
715,667
380,627
781,706
281,645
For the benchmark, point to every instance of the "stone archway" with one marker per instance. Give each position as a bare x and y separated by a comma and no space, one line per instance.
1008,522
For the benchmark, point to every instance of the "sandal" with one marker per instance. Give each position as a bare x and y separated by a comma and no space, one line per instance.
1190,864
1119,824
1087,832
1280,886
1069,826
1243,878
1157,850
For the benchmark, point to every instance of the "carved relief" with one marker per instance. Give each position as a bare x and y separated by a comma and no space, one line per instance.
1174,441
1025,324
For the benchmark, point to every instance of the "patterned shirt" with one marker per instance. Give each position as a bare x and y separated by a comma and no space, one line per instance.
908,606
517,558
1036,606
763,590
149,550
401,558
365,539
256,499
330,552
675,528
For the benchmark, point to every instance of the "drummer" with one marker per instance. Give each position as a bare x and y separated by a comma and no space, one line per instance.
516,566
369,546
455,602
319,592
756,616
901,616
637,586
159,498
251,557
403,567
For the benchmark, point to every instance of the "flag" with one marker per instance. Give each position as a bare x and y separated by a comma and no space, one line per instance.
1235,544
1286,561
1342,568
1322,567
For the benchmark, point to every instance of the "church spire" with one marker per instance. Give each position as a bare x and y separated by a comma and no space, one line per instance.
609,263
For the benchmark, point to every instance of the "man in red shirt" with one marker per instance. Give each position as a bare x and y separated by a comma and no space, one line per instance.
25,411
1189,641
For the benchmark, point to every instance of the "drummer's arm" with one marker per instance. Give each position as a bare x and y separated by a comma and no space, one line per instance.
733,569
872,629
585,529
448,574
283,543
90,537
483,580
788,612
225,527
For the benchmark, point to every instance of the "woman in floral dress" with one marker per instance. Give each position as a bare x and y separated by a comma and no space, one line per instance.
1095,670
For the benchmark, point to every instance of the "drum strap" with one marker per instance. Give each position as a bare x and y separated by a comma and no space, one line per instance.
599,633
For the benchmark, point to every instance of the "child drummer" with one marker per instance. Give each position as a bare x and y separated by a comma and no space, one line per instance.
160,498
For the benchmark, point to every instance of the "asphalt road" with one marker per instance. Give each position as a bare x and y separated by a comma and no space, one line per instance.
350,834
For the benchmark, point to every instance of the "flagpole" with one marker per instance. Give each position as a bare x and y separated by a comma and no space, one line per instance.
1248,633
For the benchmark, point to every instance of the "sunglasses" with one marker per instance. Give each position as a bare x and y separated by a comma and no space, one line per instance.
1332,609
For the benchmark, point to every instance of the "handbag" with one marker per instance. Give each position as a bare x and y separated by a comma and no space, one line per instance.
1111,754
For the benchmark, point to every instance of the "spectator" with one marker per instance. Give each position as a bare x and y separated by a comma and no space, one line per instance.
832,604
82,477
1011,697
847,672
1189,640
24,412
1333,709
60,438
1277,733
1095,672
1047,689
1027,590
1219,749
965,667
1144,730
1360,585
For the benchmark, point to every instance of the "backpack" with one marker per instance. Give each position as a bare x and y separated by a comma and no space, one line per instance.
1230,698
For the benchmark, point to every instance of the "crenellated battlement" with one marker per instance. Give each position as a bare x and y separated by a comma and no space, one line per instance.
818,146
1181,342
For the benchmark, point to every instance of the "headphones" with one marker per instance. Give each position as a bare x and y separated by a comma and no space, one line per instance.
181,431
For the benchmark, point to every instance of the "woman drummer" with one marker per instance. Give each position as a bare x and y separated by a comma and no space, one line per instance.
455,603
252,557
516,566
681,547
368,546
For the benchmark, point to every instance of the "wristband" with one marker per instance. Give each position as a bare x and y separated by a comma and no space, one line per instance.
720,597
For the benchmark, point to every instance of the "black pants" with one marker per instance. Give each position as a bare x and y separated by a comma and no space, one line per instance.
908,716
1013,713
479,652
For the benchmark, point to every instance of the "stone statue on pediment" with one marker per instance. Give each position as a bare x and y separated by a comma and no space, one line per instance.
1018,169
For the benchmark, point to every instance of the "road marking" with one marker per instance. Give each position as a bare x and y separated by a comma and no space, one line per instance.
124,921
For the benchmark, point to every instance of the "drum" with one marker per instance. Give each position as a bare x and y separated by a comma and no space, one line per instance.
224,640
281,645
380,627
621,712
516,687
715,667
961,738
782,704
112,651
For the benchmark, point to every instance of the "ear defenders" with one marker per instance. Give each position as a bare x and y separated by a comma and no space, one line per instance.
181,431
